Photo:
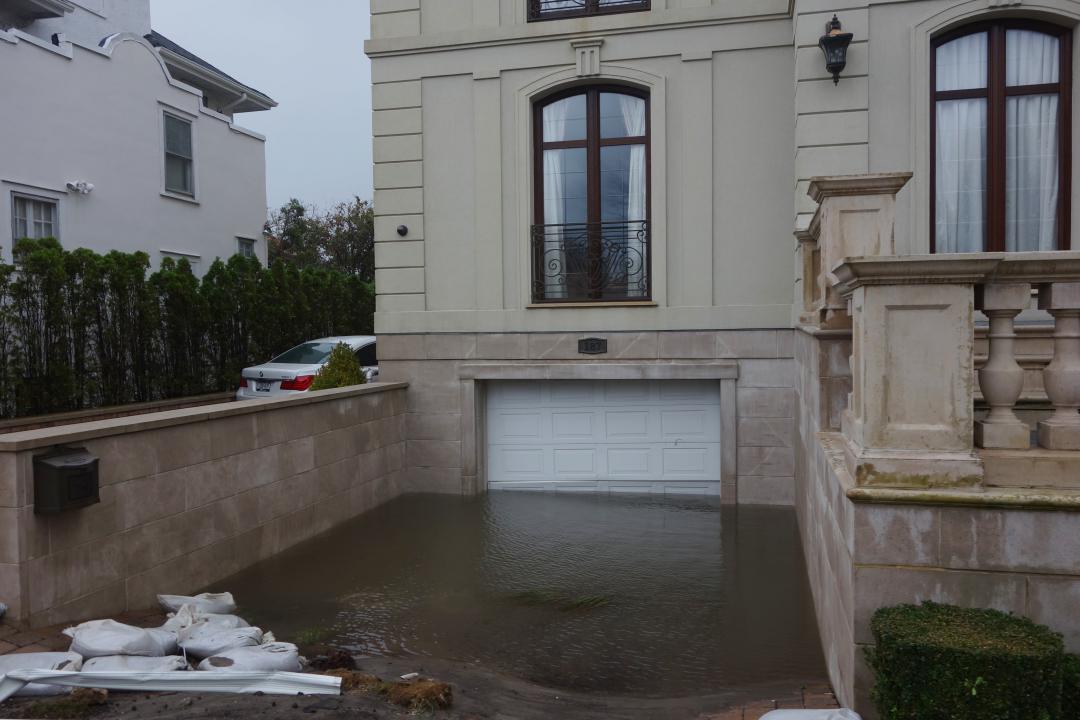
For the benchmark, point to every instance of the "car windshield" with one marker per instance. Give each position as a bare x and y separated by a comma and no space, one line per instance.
310,353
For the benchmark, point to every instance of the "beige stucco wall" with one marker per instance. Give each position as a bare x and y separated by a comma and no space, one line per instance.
191,496
878,118
96,116
453,162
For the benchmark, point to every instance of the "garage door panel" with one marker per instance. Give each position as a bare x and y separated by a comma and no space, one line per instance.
575,426
630,462
577,462
627,425
614,436
626,392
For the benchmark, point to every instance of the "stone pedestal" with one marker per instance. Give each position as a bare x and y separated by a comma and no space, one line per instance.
855,218
910,417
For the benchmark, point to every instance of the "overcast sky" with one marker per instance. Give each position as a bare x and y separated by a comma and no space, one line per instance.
309,56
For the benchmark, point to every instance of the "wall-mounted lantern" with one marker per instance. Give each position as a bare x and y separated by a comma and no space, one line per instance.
834,43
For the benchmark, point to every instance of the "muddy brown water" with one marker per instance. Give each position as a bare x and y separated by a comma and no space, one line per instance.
638,596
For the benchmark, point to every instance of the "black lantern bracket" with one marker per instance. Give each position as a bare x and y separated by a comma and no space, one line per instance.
834,43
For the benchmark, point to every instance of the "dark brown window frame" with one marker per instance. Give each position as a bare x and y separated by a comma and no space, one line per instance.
995,94
592,143
591,7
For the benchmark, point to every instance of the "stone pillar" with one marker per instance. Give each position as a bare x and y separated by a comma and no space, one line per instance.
1062,376
855,218
910,419
1002,378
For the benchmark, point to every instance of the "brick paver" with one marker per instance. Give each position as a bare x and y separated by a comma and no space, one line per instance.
52,639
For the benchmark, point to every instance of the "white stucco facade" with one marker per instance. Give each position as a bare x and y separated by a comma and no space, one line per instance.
95,114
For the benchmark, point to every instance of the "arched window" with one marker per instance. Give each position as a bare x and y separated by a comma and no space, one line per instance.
590,241
1000,128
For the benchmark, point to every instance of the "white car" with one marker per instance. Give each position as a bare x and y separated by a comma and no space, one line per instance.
293,371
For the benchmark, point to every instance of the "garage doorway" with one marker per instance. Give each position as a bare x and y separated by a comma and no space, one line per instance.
604,436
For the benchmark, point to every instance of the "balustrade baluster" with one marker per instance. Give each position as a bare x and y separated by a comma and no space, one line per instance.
1062,376
1002,378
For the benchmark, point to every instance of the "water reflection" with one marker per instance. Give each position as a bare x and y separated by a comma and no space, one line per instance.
626,595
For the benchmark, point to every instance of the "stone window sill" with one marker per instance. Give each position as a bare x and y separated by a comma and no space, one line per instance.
570,305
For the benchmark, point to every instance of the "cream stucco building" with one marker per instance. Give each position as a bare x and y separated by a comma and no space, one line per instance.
126,141
655,246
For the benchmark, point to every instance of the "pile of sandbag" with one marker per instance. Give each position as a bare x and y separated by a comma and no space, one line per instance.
200,633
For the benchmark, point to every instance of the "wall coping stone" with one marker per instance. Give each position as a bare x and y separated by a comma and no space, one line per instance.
956,269
65,434
1014,498
601,370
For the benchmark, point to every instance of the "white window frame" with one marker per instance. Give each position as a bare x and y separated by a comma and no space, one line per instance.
166,191
54,202
246,242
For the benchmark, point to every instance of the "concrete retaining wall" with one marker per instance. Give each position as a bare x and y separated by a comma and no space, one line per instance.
191,496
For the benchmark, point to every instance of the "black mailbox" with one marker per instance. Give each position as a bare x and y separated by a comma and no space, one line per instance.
65,479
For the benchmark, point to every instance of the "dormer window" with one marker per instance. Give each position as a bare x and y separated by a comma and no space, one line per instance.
554,9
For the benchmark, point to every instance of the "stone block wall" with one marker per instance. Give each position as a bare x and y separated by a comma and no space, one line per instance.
444,445
191,496
1016,550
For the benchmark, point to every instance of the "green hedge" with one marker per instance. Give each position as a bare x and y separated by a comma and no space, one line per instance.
342,369
81,330
1070,689
939,662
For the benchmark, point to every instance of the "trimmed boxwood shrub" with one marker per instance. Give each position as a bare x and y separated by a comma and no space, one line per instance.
342,369
940,662
1070,689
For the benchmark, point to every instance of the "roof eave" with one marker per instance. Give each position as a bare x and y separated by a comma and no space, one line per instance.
256,101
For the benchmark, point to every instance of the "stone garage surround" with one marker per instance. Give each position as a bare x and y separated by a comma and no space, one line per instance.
447,373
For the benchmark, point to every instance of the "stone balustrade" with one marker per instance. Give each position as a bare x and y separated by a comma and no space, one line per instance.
911,417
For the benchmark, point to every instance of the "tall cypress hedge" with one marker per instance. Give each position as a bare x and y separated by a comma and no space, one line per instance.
81,330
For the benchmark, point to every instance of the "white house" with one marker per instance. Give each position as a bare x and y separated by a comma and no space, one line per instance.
124,140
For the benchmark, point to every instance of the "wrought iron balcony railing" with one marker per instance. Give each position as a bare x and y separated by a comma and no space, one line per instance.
591,262
551,9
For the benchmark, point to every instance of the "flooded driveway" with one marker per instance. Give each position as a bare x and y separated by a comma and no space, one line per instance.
633,596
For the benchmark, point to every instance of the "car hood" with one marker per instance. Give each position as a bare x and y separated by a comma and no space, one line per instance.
279,371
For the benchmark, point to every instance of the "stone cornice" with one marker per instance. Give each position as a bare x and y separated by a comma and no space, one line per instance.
956,269
867,184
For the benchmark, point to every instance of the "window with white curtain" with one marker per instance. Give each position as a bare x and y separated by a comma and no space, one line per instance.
1001,138
33,217
591,237
552,9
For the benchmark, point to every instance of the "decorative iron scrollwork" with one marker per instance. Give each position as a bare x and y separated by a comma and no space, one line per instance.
589,262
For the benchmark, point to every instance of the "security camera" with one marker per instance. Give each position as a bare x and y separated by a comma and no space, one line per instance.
83,188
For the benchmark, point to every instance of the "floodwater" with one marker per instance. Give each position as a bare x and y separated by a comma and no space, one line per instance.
639,596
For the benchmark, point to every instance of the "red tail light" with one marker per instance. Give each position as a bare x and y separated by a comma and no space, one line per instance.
243,382
302,382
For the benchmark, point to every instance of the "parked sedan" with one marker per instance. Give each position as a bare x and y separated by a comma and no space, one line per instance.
293,371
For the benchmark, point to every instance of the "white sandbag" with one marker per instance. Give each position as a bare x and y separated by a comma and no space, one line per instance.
202,640
217,603
268,683
127,663
277,656
811,715
188,616
40,661
100,638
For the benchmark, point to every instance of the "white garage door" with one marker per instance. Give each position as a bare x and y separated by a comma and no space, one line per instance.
609,436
